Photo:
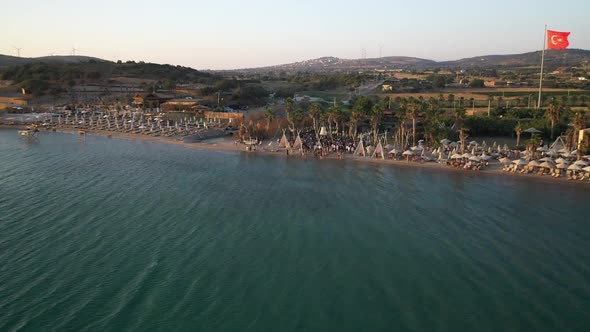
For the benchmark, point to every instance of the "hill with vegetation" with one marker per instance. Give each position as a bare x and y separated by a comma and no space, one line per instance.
553,59
41,74
564,58
8,61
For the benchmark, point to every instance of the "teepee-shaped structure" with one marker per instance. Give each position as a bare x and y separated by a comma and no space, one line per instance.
360,149
284,142
559,144
298,144
378,153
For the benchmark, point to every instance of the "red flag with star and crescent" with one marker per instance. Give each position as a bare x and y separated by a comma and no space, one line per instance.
557,40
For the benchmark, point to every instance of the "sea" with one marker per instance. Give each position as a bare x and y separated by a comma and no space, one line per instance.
106,234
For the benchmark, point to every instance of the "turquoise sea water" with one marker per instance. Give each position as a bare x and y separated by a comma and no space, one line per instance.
113,235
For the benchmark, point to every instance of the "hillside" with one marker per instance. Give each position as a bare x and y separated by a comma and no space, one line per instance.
333,64
565,58
7,60
39,75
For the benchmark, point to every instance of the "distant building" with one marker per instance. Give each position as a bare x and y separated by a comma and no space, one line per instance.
150,100
12,101
495,84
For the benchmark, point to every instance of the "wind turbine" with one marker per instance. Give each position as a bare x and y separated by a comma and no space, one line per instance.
74,50
17,50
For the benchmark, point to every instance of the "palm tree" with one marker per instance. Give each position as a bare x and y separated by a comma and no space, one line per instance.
552,114
579,122
269,114
314,114
375,117
414,107
289,108
518,129
333,117
355,117
459,119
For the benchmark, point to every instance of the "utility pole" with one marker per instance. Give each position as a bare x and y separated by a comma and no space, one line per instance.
18,51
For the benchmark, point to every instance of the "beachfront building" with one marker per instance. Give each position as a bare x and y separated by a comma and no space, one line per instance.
150,100
14,101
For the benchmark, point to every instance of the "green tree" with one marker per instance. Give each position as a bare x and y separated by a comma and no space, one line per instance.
269,114
518,130
460,125
552,114
375,117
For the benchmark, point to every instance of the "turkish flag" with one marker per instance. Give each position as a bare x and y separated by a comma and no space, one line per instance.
557,40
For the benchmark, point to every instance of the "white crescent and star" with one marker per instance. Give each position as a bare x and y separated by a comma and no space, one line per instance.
559,40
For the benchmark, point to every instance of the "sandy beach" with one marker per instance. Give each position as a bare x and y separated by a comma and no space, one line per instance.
228,144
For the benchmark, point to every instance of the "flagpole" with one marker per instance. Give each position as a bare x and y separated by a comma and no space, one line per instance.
542,63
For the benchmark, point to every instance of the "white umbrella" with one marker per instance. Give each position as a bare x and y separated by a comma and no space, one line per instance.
407,153
586,156
445,141
545,159
467,155
587,169
561,166
542,149
456,156
394,151
547,165
519,162
574,167
560,160
475,158
581,163
534,163
505,160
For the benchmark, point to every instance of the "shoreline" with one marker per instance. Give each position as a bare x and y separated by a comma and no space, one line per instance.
227,145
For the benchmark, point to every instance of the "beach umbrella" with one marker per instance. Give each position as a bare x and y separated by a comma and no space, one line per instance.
467,155
445,141
586,157
545,159
475,158
519,162
505,160
560,160
552,153
587,169
407,153
532,131
561,166
542,149
394,151
534,163
547,165
485,157
581,163
567,155
574,167
473,143
456,156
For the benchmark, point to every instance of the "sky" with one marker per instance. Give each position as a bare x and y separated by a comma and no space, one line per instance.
229,34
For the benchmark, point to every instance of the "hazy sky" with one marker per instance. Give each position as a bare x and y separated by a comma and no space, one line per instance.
216,34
